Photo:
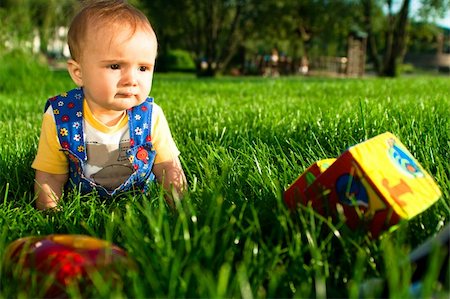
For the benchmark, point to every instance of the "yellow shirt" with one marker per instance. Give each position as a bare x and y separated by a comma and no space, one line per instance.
106,147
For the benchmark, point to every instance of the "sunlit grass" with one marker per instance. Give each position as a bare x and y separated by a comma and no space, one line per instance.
243,141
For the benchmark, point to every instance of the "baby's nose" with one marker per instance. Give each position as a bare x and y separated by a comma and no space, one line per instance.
129,77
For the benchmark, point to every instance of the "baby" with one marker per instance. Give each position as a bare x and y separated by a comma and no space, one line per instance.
107,134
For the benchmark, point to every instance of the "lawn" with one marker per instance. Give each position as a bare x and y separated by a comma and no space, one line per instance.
243,141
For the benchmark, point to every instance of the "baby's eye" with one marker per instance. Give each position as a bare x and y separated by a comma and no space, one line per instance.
143,68
114,66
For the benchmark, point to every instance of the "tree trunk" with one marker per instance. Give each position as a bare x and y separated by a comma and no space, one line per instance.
221,39
43,38
396,42
371,41
231,41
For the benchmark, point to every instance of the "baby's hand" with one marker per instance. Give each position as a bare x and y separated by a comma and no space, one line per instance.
170,174
48,189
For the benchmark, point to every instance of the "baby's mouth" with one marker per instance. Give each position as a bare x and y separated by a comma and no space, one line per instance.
125,95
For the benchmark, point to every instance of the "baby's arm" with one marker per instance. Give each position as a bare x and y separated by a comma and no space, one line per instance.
171,175
48,188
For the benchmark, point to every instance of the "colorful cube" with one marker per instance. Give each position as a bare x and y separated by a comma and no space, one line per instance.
374,184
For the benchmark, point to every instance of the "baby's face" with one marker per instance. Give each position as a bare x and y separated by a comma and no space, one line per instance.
117,68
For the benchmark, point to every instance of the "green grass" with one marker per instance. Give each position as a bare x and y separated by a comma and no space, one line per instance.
243,141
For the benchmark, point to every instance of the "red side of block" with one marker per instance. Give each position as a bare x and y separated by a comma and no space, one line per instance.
294,195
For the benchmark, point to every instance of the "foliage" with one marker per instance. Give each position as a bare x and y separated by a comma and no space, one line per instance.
423,38
215,31
26,19
431,9
178,60
310,28
210,30
11,35
219,32
388,43
242,142
387,56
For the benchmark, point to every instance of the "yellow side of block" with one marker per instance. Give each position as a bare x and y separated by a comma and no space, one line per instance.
396,174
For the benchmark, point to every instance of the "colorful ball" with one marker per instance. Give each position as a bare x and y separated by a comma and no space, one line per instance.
67,259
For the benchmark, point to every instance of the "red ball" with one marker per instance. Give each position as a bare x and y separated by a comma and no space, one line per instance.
69,259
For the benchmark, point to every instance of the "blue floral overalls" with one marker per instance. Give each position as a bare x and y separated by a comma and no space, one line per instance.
68,112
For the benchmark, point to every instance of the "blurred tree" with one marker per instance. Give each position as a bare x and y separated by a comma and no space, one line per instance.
211,30
15,24
431,9
310,27
166,18
22,19
423,38
388,31
214,30
44,15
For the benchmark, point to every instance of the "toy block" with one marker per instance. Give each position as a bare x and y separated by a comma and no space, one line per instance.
374,184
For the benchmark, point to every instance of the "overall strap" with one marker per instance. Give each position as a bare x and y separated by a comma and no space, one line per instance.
140,123
68,113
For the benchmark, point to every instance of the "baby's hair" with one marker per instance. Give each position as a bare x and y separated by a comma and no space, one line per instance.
103,13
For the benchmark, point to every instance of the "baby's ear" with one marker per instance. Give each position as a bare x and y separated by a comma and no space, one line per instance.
75,72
